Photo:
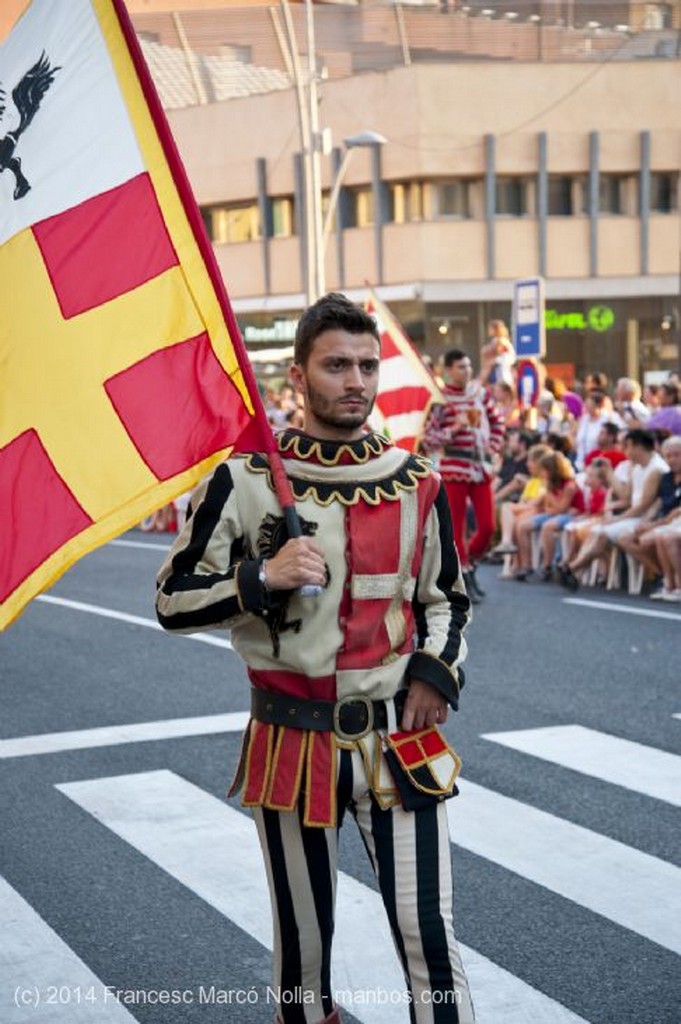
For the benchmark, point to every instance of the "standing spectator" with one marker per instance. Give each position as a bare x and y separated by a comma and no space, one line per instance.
628,404
467,431
506,398
668,416
589,425
497,356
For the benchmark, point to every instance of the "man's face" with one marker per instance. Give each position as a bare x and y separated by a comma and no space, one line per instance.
459,373
605,440
634,452
339,384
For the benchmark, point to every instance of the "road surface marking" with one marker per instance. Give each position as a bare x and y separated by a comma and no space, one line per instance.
642,769
609,606
631,888
139,544
113,735
213,850
135,620
41,978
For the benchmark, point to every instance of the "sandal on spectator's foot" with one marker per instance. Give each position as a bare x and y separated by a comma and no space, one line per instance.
664,594
505,549
546,575
523,575
568,578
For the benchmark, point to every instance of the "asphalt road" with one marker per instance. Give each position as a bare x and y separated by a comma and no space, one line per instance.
122,867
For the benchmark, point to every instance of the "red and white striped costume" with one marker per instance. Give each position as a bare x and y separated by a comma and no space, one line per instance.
467,450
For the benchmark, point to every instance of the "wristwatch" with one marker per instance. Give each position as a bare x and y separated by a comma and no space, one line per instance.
262,574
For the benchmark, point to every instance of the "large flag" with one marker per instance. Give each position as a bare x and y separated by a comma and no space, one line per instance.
406,388
123,377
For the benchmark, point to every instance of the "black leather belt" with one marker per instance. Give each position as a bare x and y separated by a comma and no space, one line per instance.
350,718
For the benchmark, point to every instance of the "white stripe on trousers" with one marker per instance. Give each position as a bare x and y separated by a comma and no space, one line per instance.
422,924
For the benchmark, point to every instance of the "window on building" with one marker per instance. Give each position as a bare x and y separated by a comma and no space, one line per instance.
361,206
234,223
406,202
451,198
612,192
511,197
282,217
664,192
560,197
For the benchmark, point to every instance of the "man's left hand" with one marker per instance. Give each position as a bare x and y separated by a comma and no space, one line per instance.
424,706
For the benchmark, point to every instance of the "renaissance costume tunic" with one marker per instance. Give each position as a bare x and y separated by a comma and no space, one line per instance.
393,609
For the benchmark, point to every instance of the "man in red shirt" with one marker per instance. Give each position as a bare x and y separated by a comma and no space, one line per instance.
606,446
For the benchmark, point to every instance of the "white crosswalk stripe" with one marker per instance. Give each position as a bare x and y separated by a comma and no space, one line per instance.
187,832
642,769
623,884
41,978
114,735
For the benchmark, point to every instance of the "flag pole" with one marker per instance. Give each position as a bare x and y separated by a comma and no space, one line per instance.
263,431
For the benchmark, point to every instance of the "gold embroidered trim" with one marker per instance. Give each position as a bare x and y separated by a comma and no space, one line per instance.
359,451
352,492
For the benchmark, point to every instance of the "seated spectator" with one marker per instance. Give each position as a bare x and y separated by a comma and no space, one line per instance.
647,467
598,487
642,541
563,500
511,513
668,416
512,474
607,446
560,443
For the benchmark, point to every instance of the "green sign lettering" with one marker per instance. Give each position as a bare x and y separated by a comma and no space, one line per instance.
598,318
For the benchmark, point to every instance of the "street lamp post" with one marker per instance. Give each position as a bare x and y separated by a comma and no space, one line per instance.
364,140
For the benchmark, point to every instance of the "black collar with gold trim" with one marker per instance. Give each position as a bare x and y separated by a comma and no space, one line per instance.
369,470
297,445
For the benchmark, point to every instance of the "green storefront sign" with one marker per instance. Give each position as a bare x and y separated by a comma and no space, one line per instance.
597,318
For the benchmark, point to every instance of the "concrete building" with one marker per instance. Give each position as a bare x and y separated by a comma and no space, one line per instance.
509,154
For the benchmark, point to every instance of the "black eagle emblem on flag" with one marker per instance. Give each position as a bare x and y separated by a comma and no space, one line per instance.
27,96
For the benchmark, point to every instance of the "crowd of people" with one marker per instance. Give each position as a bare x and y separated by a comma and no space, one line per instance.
582,488
560,491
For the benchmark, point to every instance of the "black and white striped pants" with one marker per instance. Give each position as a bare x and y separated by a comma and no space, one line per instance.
410,855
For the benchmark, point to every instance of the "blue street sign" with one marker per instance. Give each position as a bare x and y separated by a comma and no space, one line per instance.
529,335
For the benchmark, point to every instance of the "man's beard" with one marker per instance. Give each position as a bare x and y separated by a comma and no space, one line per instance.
331,414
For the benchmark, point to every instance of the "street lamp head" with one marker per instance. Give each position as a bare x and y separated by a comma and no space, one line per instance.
365,138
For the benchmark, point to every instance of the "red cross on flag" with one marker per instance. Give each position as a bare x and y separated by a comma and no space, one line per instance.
406,388
123,377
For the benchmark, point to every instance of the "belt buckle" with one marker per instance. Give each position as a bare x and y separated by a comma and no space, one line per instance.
338,709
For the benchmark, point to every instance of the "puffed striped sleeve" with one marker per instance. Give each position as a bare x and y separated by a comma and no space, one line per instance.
208,579
441,607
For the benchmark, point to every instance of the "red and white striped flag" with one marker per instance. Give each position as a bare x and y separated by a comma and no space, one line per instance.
406,387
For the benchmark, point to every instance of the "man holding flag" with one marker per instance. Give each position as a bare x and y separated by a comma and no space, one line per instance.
348,686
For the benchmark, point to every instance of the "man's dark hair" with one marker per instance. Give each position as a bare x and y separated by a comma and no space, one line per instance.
454,355
671,389
527,437
333,312
597,397
643,438
611,428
